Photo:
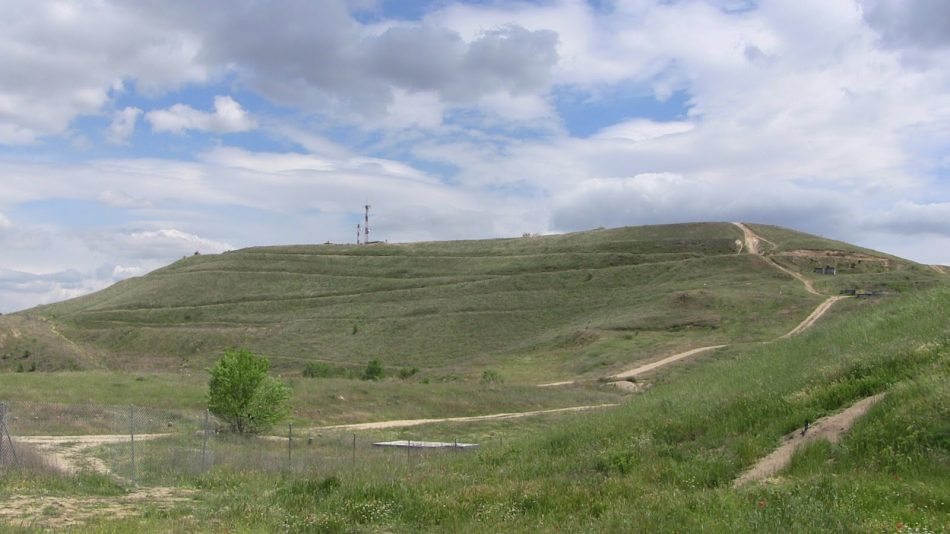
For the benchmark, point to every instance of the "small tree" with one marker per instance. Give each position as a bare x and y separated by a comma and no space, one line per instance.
241,393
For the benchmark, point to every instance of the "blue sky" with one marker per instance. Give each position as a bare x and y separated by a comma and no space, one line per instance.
133,133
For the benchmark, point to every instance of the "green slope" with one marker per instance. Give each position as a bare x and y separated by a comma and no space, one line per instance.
540,307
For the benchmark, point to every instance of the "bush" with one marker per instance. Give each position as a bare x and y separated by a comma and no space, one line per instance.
241,393
319,370
407,372
490,376
374,370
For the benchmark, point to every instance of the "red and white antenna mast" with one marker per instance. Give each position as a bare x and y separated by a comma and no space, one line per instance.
366,226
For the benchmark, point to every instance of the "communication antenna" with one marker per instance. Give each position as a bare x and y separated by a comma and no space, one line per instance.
366,226
358,230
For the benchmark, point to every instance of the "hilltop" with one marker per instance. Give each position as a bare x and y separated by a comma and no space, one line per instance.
535,307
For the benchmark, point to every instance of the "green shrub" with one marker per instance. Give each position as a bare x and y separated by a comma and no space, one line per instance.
242,393
374,370
408,372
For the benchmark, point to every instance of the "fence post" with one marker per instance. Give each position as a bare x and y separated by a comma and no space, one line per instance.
354,450
204,445
3,426
5,431
132,438
290,440
409,453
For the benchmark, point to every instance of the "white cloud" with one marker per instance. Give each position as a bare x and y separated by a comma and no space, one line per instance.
165,243
912,219
122,125
118,199
643,129
5,223
228,117
62,60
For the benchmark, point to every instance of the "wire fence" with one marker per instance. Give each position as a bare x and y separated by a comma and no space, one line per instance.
158,446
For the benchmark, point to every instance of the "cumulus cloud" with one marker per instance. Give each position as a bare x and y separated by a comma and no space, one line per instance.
163,244
62,60
657,198
920,23
122,125
913,219
228,117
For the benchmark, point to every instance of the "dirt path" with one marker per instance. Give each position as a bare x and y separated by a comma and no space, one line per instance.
813,317
665,361
402,423
69,454
753,243
50,512
829,428
753,240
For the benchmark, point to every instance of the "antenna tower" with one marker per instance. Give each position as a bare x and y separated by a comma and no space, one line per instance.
358,230
366,226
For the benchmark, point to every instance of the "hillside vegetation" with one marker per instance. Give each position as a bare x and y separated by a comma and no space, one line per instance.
550,306
664,461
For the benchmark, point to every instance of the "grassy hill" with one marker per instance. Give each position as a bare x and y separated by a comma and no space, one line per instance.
485,321
579,304
664,461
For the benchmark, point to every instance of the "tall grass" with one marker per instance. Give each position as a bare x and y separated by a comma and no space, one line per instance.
665,461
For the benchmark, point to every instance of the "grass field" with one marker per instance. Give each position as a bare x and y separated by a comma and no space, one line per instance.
662,462
484,322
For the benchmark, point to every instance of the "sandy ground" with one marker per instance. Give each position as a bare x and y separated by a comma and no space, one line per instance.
829,428
415,422
69,453
56,513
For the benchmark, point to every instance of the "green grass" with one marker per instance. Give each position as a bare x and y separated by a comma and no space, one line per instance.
665,460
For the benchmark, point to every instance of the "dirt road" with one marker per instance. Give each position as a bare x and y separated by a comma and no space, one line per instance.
401,423
829,428
69,453
665,361
753,244
813,317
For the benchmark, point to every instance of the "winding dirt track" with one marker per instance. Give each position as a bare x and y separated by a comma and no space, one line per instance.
813,317
753,245
829,428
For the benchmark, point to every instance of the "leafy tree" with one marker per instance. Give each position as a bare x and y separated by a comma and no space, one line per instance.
241,393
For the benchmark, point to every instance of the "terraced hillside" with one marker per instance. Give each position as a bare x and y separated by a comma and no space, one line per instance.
581,304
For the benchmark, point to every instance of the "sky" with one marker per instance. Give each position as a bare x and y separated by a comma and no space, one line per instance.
133,133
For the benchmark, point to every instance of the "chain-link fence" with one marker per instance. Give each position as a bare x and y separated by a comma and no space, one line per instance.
155,446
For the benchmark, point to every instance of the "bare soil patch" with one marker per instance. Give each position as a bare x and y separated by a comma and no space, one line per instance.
69,454
59,512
